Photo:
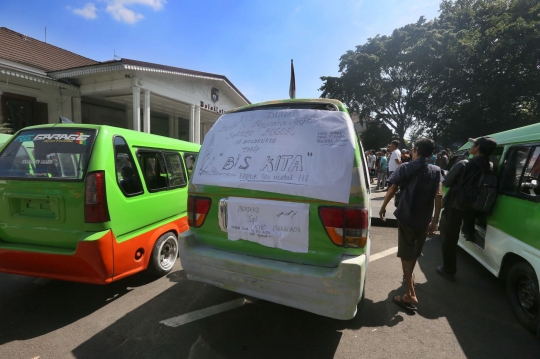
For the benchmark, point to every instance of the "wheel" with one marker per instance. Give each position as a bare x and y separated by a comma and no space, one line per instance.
523,294
164,254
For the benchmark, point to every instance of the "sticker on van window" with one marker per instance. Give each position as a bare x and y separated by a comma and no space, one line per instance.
306,153
78,137
273,224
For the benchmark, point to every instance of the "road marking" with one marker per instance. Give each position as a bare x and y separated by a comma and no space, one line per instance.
386,253
203,313
382,254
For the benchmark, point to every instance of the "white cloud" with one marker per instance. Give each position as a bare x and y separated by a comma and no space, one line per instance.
88,11
119,9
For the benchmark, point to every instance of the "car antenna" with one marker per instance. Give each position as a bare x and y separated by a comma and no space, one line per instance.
65,120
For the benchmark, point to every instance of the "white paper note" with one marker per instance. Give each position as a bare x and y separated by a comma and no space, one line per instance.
306,153
274,224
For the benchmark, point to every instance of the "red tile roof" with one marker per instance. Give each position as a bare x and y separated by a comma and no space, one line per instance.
25,50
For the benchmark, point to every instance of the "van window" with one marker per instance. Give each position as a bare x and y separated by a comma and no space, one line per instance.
56,153
530,183
495,157
175,170
520,172
189,159
153,169
127,175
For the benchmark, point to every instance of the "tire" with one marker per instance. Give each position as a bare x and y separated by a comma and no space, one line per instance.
164,254
523,294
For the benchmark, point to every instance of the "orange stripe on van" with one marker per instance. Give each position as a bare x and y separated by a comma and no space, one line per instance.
100,262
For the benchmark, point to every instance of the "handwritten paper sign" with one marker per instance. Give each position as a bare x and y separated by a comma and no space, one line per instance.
298,152
274,224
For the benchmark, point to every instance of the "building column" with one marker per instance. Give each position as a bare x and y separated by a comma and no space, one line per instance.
76,110
198,124
192,124
136,108
146,111
129,118
172,127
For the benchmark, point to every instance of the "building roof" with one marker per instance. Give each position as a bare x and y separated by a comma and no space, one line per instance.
128,64
26,50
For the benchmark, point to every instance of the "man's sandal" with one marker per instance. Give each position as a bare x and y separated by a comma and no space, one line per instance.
408,307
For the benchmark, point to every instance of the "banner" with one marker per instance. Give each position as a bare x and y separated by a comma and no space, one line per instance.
307,153
273,224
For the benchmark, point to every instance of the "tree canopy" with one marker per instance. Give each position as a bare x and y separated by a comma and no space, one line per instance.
473,70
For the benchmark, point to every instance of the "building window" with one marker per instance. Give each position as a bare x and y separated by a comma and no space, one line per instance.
21,111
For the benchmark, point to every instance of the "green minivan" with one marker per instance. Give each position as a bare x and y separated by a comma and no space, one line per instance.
91,203
279,207
507,241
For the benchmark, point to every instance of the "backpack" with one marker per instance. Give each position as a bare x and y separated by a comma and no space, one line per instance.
477,190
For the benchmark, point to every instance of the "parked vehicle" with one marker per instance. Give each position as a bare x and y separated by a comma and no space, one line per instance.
91,203
4,138
279,207
507,241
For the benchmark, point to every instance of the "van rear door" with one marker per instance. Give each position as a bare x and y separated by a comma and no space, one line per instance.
42,173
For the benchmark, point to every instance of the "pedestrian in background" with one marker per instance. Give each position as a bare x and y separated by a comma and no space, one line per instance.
395,157
405,157
371,165
383,168
420,187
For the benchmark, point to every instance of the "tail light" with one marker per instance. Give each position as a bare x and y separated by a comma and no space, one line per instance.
95,199
198,208
346,227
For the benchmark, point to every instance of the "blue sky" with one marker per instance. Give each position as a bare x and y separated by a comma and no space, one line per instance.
250,42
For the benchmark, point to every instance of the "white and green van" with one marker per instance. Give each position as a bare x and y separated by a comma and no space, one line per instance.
507,242
278,207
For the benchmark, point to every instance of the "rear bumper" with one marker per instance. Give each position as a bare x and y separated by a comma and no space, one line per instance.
92,262
331,292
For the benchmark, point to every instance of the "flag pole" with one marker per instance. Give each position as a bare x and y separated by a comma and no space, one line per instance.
292,85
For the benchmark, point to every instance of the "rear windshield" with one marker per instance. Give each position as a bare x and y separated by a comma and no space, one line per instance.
56,153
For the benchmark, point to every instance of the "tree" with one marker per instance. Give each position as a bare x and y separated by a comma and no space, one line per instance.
376,135
490,81
382,77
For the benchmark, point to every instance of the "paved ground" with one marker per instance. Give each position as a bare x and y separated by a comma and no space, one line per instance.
467,319
377,197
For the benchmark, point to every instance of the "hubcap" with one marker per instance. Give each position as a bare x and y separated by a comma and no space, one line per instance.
527,296
168,252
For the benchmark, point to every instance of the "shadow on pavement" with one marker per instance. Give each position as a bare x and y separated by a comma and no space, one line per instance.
32,307
475,307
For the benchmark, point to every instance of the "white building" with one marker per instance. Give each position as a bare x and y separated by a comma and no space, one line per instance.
40,82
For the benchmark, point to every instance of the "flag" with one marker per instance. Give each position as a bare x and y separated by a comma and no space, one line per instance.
292,86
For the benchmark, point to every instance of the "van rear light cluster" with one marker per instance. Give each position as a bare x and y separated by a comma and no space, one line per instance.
346,226
198,208
95,198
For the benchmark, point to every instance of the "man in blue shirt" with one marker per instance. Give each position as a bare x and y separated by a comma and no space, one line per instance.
420,187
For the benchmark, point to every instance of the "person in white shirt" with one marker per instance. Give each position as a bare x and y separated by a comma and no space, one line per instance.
395,157
371,160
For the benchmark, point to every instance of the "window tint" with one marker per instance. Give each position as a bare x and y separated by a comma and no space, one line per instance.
127,174
495,158
153,169
175,170
57,153
190,158
530,183
512,169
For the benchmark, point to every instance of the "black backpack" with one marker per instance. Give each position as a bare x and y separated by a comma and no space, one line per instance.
477,189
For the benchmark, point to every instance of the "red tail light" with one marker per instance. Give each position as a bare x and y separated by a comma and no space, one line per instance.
95,199
346,227
198,208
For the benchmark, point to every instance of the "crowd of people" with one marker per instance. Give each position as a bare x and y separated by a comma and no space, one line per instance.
416,178
382,163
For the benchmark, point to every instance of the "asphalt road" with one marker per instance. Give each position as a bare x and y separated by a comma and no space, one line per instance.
467,319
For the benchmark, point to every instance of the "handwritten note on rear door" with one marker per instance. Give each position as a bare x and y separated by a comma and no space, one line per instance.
274,224
299,152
